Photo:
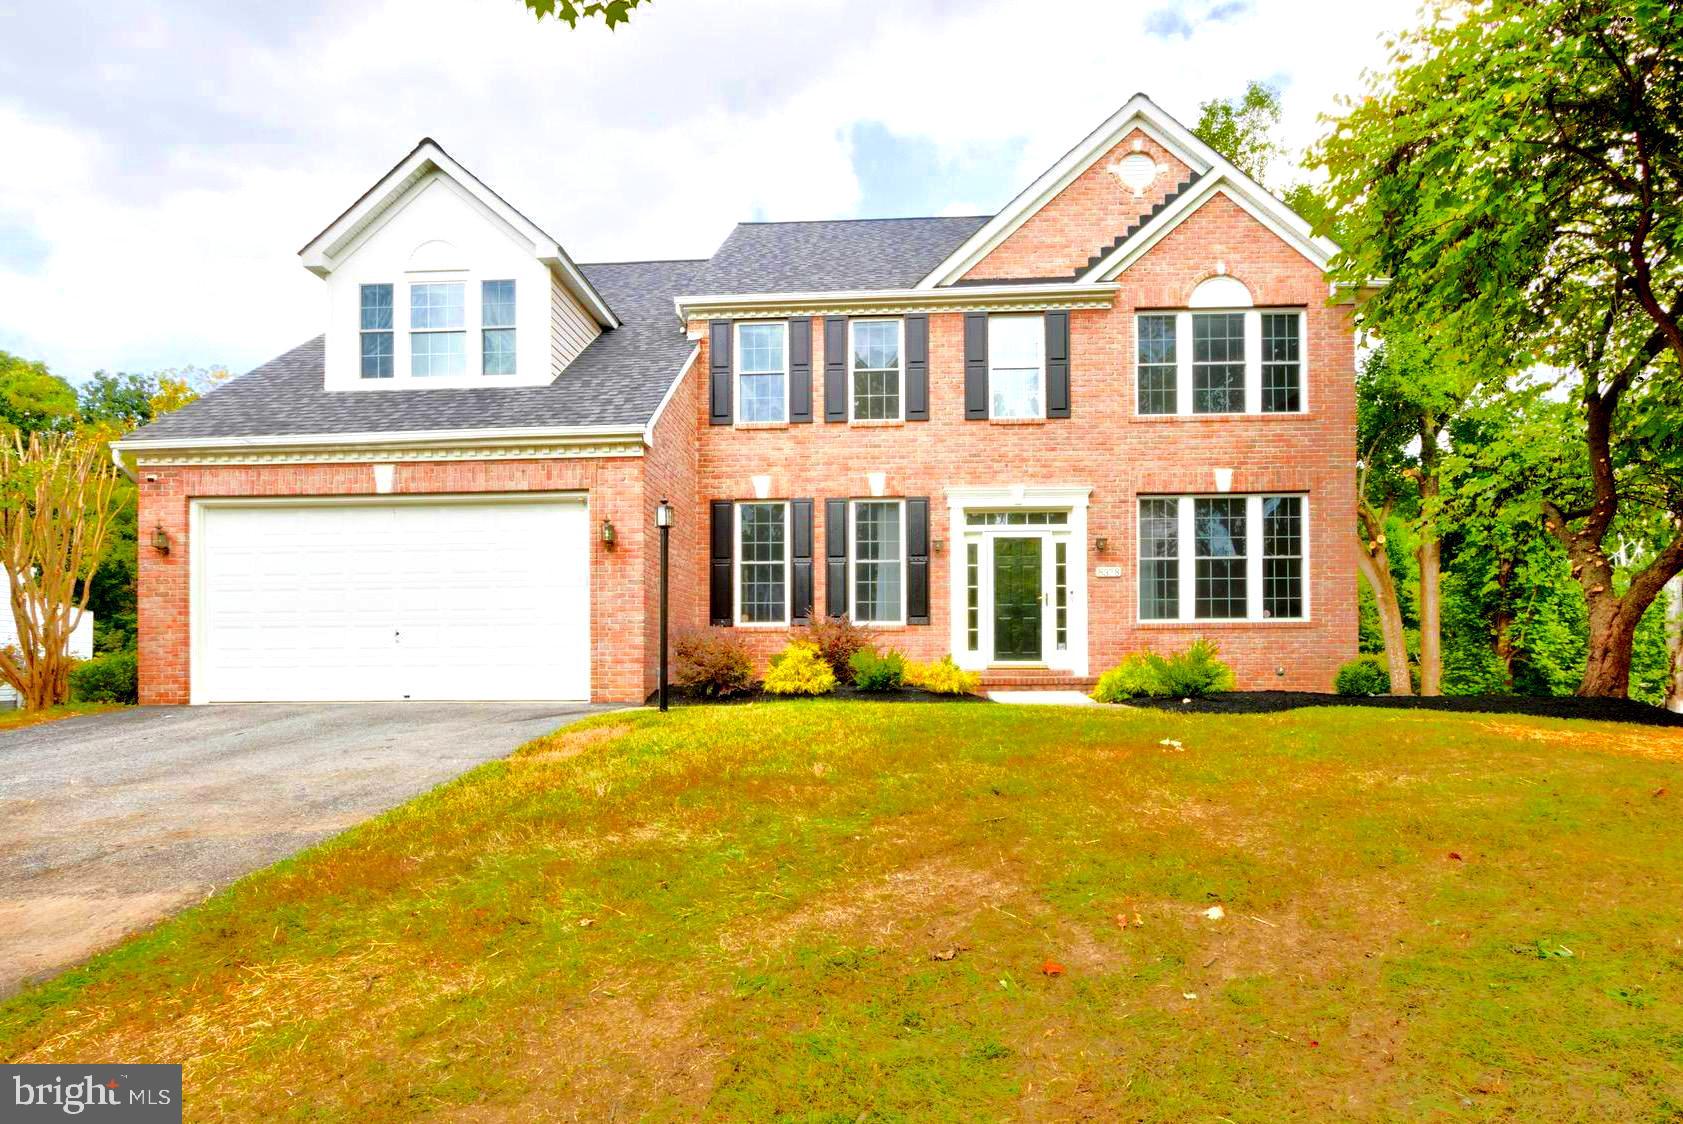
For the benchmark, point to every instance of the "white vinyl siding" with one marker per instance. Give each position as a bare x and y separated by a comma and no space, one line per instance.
571,328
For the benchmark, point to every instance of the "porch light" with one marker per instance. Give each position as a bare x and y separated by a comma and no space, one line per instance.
663,514
1101,544
608,535
160,540
938,545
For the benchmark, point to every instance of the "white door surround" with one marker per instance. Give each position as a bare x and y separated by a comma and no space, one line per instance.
1072,535
366,598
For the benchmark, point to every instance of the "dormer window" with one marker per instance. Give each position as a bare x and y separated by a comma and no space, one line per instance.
437,329
377,354
496,318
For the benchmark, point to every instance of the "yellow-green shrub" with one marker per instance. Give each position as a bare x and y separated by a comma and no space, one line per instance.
800,669
942,677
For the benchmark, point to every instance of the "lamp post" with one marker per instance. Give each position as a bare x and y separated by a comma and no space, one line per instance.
663,520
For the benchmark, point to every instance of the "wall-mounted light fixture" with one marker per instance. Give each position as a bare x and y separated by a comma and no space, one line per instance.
609,538
939,546
160,540
1101,544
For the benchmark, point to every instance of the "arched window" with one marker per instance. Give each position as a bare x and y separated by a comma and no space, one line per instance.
1221,292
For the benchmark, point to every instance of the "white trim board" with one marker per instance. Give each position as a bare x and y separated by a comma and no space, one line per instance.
322,254
891,302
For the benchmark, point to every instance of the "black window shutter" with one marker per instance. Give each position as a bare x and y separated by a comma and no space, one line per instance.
917,560
835,557
1057,364
835,368
800,601
800,369
917,368
975,364
718,369
724,542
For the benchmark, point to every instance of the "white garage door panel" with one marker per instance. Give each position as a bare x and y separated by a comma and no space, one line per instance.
399,601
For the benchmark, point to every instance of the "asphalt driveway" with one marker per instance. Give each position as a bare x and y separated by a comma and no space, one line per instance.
111,822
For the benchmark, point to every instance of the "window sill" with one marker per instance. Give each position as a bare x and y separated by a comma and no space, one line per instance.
1295,622
1159,419
1018,421
762,425
877,423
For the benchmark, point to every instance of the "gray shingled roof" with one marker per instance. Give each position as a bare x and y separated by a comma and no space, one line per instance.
618,380
621,377
790,257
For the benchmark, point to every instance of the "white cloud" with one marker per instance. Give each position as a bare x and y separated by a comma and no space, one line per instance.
176,172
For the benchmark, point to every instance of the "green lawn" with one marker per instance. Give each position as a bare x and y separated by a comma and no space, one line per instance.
844,911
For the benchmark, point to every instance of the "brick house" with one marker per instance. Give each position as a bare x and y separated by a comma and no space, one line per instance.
1118,414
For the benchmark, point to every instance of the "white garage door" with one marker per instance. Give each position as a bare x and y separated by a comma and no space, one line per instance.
433,600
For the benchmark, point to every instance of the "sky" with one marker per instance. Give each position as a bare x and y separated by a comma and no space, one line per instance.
166,159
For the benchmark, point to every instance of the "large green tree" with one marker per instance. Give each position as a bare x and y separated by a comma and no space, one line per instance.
32,398
610,12
1517,176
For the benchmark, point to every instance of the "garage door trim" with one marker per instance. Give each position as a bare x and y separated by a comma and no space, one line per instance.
197,673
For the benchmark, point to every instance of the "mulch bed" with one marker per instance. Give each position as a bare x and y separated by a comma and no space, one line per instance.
1268,702
677,696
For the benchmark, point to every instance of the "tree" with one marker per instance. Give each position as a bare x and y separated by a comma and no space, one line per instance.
1518,177
32,398
57,504
1243,129
610,12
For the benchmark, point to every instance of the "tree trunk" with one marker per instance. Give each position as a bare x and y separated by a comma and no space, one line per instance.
1505,621
1429,556
1375,566
1612,632
1674,646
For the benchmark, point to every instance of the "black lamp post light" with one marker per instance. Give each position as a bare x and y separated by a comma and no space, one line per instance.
663,520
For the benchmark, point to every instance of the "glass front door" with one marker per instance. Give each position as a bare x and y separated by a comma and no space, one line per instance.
1016,599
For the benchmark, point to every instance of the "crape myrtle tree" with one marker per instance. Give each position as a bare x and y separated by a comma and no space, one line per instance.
1518,177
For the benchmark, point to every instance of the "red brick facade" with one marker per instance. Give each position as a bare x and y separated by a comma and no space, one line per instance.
1103,446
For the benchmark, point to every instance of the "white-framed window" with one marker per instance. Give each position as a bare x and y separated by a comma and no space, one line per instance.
437,329
1220,361
1223,558
376,329
1017,366
762,371
878,555
496,327
876,350
762,563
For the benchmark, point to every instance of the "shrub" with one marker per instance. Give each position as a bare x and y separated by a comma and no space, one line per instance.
800,669
1136,677
874,671
1364,675
1194,673
111,678
713,664
836,639
942,677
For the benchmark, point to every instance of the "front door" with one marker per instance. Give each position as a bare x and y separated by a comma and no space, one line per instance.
1016,599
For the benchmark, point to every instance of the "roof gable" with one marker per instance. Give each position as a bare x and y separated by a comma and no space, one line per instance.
1205,170
428,161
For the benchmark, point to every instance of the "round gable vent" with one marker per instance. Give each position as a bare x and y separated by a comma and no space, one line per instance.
1137,171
